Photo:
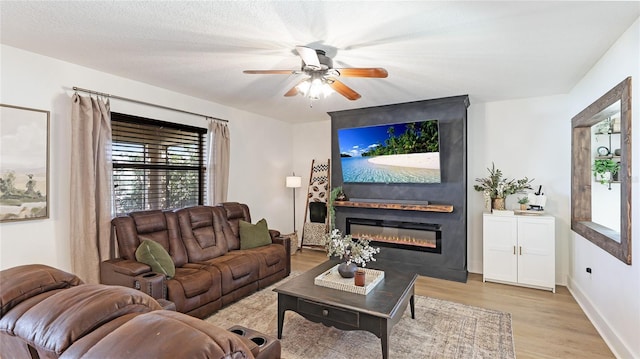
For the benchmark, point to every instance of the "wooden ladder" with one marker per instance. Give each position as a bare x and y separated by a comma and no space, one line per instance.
318,191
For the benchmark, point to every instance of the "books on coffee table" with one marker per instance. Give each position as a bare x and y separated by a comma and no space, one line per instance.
332,279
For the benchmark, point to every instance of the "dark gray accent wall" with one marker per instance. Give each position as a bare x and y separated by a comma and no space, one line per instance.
451,113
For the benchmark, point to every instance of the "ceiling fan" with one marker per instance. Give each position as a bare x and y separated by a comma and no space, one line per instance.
319,71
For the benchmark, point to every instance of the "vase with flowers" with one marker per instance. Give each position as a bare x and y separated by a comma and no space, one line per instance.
498,188
353,251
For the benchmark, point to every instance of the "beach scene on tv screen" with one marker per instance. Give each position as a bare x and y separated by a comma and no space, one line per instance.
395,153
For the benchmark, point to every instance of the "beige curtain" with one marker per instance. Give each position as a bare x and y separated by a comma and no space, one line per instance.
91,166
218,162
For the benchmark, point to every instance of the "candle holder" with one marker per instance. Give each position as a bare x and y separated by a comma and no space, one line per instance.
359,278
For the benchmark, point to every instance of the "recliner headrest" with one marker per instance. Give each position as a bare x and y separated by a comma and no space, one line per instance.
26,281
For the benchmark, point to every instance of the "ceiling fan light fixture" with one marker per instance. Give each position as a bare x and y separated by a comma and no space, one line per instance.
303,87
314,88
326,90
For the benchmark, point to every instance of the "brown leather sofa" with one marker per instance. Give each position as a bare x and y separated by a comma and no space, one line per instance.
204,244
48,313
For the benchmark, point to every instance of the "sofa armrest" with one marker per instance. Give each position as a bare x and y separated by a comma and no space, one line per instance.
123,272
274,233
286,242
132,274
128,267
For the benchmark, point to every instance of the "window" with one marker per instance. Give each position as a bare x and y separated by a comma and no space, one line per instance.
156,164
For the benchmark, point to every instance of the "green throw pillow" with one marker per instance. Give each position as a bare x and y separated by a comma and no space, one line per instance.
254,235
153,254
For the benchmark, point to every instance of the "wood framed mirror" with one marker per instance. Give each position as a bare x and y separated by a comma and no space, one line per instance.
601,172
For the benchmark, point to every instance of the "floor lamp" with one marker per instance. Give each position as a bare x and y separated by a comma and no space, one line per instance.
294,182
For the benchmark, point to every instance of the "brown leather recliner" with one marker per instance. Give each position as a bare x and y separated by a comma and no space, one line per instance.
45,311
48,313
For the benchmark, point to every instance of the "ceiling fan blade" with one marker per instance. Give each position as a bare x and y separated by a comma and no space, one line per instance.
293,91
269,72
344,90
296,89
376,72
309,56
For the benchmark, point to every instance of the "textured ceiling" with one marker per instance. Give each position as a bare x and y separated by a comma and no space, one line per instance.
490,50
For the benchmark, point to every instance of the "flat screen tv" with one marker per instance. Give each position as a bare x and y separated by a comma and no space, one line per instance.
396,153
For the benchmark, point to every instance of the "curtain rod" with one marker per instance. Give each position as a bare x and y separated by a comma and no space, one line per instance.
146,103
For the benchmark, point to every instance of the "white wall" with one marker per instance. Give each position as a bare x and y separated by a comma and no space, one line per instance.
527,137
260,148
311,140
610,295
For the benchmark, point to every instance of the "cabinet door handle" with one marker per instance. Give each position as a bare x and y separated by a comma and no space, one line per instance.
514,250
520,250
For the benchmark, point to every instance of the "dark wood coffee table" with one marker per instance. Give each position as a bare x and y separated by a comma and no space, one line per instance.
376,312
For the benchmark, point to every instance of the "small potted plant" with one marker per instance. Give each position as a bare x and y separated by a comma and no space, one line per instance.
604,170
499,188
523,202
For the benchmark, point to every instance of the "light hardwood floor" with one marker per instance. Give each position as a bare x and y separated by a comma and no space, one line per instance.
545,325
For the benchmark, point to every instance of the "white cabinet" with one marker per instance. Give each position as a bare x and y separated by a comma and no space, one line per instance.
519,250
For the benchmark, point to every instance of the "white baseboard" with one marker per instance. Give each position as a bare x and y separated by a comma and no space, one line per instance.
617,346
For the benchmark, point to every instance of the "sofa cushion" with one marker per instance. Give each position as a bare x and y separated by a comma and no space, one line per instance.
154,255
195,281
159,226
201,232
271,259
196,290
237,269
254,235
235,212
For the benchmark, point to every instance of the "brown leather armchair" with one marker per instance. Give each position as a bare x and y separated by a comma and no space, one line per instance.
48,313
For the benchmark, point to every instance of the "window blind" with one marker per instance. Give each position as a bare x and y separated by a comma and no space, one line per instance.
156,164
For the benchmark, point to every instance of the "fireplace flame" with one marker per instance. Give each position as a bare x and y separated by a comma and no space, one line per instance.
408,241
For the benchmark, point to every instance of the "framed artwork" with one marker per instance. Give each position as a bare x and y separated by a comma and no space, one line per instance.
24,163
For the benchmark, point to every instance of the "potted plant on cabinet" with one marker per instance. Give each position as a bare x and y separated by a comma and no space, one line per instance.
499,188
523,202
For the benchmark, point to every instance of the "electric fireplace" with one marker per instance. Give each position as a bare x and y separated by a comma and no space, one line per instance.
425,237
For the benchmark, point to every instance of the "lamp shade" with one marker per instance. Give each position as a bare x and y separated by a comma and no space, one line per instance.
294,182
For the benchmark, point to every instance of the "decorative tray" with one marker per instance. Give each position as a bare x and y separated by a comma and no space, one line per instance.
503,212
529,212
332,279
